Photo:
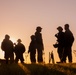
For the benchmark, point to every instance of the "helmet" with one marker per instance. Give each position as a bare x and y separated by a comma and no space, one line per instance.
19,40
38,28
59,28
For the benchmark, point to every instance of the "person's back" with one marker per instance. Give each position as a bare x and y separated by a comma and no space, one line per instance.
7,45
69,38
20,48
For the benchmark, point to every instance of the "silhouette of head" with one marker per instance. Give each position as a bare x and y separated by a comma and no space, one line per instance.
19,40
59,28
7,36
66,26
39,29
32,37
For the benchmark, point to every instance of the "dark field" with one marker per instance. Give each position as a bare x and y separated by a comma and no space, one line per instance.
37,69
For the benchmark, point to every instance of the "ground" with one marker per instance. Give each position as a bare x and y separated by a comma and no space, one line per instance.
38,69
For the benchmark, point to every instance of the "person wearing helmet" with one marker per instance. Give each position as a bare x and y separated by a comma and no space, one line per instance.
19,50
8,48
60,41
39,43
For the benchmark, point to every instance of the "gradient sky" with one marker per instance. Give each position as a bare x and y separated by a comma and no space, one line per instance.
19,19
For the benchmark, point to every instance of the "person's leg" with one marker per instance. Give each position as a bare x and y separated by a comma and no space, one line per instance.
60,52
65,53
70,54
16,59
21,58
6,60
40,54
33,58
12,58
6,57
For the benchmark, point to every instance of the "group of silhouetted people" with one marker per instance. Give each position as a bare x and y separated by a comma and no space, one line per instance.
36,44
64,46
64,43
10,48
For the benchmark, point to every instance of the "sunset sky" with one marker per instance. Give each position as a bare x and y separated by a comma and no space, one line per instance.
19,19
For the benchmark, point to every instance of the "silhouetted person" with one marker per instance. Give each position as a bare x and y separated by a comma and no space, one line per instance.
60,40
39,43
32,49
19,50
69,39
7,47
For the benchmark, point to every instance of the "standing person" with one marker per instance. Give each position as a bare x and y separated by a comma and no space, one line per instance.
60,40
8,48
69,39
19,50
32,49
39,43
